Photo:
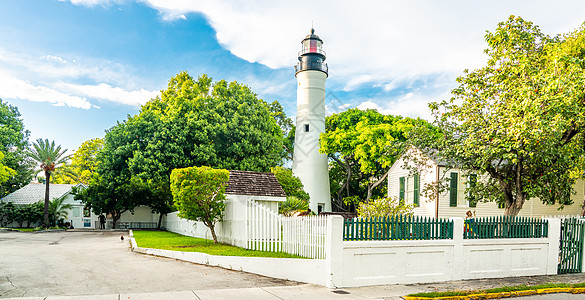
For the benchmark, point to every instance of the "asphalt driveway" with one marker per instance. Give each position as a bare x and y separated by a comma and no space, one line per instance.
97,263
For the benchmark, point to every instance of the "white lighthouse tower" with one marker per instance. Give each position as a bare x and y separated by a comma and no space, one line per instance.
308,164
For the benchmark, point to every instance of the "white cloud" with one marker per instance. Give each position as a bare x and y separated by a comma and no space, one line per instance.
12,87
384,39
107,92
46,76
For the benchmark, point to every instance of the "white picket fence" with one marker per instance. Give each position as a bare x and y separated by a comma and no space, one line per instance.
268,231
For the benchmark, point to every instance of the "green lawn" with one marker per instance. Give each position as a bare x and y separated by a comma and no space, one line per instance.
498,290
172,241
24,229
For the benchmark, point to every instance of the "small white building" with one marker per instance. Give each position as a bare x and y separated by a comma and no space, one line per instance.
79,216
455,202
250,197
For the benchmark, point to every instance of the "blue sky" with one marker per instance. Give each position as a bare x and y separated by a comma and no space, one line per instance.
74,68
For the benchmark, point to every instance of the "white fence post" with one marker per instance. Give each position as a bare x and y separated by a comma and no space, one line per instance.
554,237
458,266
334,252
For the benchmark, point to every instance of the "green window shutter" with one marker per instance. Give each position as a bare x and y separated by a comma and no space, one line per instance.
453,190
401,194
472,183
416,198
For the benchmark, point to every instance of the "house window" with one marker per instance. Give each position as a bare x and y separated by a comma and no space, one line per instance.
401,183
453,190
306,127
416,191
472,182
320,207
76,211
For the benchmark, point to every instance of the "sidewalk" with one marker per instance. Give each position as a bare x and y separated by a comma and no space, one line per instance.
307,291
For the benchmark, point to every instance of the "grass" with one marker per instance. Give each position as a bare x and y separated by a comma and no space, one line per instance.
24,229
499,290
172,241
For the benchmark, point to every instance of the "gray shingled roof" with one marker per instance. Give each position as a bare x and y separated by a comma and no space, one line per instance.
34,192
254,183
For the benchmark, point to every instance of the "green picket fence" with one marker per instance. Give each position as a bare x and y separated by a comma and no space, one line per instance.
504,227
397,228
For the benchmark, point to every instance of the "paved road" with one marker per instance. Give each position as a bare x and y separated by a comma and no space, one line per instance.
98,263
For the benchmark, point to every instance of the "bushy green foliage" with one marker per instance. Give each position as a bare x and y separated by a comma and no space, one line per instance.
58,210
192,123
291,184
520,119
14,144
362,145
384,207
5,172
83,163
198,193
29,213
292,205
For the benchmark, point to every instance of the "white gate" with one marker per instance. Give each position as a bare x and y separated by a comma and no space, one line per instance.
268,231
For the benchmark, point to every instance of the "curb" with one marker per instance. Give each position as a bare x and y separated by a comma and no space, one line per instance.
569,290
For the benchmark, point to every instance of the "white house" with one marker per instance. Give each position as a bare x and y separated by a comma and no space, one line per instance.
79,216
455,202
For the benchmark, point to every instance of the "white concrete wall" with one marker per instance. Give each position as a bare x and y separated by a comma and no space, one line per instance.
366,263
297,269
308,164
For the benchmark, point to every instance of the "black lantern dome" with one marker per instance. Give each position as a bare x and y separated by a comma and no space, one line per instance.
311,56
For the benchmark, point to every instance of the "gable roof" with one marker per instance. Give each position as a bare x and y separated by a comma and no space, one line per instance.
34,192
254,183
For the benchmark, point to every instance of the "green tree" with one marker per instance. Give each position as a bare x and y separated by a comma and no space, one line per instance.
14,144
291,184
199,194
288,130
5,172
58,210
519,120
49,157
384,207
112,197
192,123
83,163
362,145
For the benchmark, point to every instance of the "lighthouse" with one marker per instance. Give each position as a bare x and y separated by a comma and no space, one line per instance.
308,164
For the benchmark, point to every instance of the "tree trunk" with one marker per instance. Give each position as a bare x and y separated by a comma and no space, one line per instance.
211,227
46,216
372,186
160,216
115,218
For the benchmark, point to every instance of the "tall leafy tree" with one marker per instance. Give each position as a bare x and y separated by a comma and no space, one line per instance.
49,157
14,144
519,120
362,145
83,163
192,123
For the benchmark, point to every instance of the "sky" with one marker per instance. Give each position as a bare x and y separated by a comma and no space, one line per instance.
76,67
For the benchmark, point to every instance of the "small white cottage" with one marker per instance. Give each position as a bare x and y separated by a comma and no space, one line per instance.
79,216
455,202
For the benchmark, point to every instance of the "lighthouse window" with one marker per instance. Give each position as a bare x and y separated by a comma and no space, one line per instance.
306,127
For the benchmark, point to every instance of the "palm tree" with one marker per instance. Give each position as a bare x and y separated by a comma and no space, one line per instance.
49,157
58,210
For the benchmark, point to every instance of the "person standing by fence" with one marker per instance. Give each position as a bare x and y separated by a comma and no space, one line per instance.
102,221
